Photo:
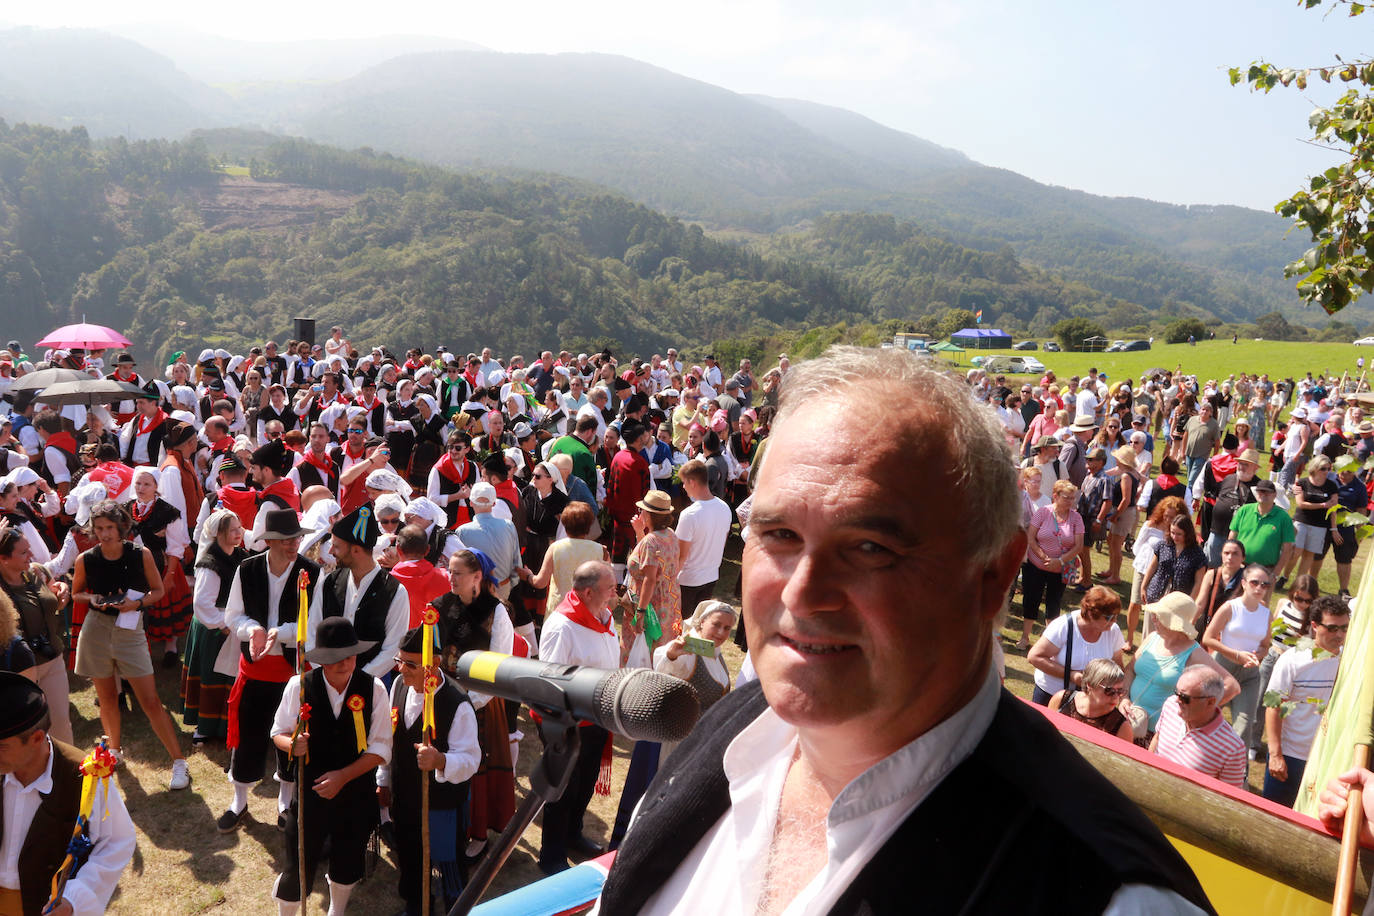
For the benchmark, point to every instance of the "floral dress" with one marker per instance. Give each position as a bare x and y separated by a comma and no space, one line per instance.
660,548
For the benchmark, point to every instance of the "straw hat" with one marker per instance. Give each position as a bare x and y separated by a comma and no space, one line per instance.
1175,611
656,501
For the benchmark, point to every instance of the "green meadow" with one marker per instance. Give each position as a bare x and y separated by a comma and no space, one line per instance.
1210,359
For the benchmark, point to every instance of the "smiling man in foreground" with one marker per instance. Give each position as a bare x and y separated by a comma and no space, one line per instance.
878,765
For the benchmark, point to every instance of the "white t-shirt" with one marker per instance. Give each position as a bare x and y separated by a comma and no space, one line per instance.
706,525
1306,684
1086,404
1107,645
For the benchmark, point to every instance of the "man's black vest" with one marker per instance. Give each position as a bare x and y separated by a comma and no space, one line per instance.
405,770
1024,787
155,436
370,620
253,583
334,741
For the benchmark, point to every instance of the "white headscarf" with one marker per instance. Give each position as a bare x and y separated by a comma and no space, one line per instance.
428,401
81,498
428,509
320,515
554,475
211,529
388,480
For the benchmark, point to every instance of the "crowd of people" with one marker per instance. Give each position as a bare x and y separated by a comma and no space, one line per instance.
1168,468
578,509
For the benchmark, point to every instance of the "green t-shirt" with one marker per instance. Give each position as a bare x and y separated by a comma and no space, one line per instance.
1263,536
584,462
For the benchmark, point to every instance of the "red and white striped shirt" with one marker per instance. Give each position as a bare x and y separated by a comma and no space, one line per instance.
1213,750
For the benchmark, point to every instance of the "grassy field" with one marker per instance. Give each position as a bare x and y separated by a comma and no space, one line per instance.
1209,359
238,171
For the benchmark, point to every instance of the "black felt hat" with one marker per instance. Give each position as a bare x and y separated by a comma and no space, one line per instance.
336,640
22,705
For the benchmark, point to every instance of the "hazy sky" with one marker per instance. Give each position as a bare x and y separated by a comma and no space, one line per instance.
1110,97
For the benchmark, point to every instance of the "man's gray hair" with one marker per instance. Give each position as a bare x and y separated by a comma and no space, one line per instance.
1206,679
935,403
589,575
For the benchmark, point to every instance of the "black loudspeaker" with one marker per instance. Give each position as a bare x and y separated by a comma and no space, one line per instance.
305,330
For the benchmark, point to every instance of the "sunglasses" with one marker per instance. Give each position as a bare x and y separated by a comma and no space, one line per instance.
353,430
1261,583
458,448
274,435
1300,599
1113,691
1185,699
1335,627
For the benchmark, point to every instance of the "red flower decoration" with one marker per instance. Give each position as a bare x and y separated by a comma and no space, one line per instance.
395,717
431,683
305,712
303,580
429,616
355,703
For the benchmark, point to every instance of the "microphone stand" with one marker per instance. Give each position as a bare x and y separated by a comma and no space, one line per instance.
550,777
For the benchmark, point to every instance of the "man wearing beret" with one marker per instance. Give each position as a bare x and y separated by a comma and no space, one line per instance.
39,805
347,736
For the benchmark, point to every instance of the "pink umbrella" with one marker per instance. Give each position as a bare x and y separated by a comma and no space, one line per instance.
86,336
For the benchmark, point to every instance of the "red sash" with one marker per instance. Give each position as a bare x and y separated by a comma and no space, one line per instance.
457,473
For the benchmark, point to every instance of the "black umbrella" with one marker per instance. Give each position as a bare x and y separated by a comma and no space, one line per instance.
36,381
88,392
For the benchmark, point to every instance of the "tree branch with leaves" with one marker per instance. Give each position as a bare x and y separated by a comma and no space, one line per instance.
1337,207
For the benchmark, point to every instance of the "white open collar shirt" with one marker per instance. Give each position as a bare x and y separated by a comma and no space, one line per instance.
110,829
725,871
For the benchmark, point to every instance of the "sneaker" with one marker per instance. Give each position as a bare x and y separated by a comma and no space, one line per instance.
229,821
1281,584
198,739
181,774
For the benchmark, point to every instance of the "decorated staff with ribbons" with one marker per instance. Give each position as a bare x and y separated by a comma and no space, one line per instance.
263,613
437,760
55,803
347,737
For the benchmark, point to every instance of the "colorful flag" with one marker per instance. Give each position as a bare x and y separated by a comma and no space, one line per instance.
978,316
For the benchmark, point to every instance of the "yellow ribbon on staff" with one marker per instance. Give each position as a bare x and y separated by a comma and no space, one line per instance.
303,613
96,770
429,617
355,703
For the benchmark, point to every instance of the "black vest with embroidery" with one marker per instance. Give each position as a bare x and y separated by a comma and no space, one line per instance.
369,622
155,437
1048,798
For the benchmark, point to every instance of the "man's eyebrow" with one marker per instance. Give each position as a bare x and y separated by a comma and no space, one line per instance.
888,524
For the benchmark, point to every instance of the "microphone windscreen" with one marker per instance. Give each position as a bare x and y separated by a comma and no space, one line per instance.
648,705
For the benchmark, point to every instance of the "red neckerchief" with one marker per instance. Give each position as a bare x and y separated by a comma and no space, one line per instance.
471,376
376,402
223,444
337,399
411,366
152,422
457,473
348,453
507,491
1166,481
140,514
63,442
323,463
125,378
1224,465
575,610
286,489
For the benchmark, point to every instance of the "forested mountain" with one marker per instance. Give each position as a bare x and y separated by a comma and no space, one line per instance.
695,151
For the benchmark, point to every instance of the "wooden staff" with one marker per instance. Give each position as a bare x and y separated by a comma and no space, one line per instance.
302,725
429,618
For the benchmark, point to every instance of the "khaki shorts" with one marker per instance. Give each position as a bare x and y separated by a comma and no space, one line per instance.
1124,524
101,648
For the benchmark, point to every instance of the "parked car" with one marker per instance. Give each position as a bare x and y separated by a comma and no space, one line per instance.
1015,365
1025,345
1365,342
1051,347
1116,347
1133,345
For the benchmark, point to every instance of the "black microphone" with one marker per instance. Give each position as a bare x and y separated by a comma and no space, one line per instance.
635,702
